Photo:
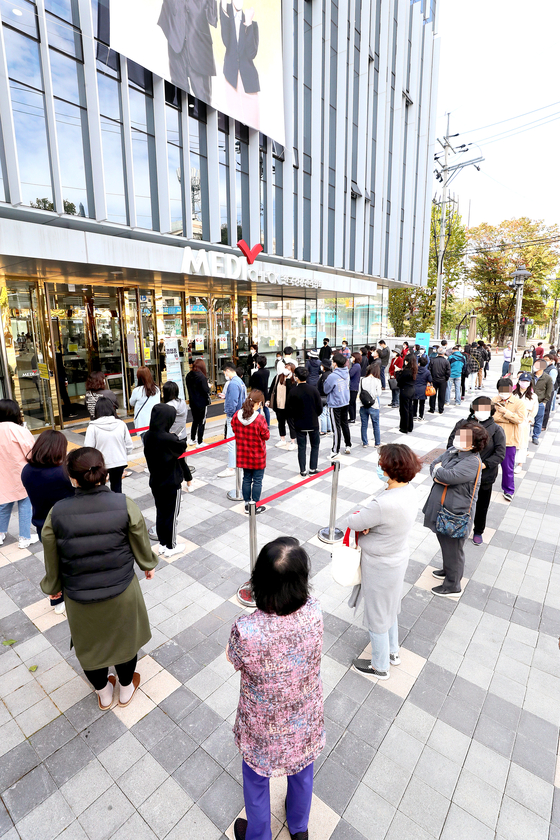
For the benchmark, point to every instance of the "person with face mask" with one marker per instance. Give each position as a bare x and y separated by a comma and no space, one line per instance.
507,358
511,415
526,363
524,390
385,524
279,391
481,411
456,476
542,386
236,395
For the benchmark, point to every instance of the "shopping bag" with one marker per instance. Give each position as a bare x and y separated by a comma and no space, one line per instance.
430,390
346,560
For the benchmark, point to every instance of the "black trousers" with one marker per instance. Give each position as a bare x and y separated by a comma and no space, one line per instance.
440,385
168,505
125,672
198,423
418,408
546,416
115,479
339,423
352,407
453,561
482,504
283,418
187,475
405,410
314,440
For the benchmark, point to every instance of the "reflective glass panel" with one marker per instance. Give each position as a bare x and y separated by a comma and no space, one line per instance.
67,78
64,37
67,9
71,127
196,199
175,192
22,56
20,15
112,140
143,155
31,140
141,110
109,96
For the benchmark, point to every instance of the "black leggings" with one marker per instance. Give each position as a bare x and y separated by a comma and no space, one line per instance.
168,505
125,672
352,407
115,479
187,475
198,423
283,418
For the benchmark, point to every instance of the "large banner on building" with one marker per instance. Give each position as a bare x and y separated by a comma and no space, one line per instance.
227,53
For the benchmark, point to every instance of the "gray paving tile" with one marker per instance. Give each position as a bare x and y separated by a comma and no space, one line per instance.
179,703
153,727
335,785
69,760
369,726
200,723
184,668
437,771
355,686
195,824
460,825
540,762
340,708
503,712
84,713
477,798
468,692
103,732
369,813
494,735
530,791
415,721
107,814
135,828
223,801
403,748
53,736
387,778
354,754
142,779
384,703
425,806
167,653
28,793
46,821
541,732
197,773
121,755
220,745
345,831
86,786
16,763
459,715
6,823
427,698
518,823
488,765
449,742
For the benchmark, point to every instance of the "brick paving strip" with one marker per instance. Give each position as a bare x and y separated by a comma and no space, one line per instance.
461,742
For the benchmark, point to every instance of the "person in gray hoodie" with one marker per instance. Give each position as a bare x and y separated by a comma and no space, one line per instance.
110,436
337,390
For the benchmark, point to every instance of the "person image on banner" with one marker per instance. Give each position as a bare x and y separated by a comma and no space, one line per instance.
240,34
186,25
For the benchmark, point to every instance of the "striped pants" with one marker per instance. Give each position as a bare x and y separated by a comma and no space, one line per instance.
340,427
168,505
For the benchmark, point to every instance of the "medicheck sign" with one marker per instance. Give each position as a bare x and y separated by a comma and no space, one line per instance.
228,53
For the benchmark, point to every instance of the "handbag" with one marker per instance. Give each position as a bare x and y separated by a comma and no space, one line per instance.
393,385
430,390
366,398
346,561
455,525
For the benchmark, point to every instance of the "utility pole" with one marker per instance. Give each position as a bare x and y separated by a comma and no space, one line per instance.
519,276
445,175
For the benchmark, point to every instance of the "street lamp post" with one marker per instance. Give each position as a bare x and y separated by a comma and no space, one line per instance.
519,276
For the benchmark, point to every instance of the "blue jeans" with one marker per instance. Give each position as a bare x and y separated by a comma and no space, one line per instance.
24,517
266,415
448,391
256,793
456,382
365,414
382,644
505,368
538,422
252,484
395,397
325,420
383,381
231,446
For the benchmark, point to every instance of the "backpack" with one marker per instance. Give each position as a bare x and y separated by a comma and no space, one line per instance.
366,398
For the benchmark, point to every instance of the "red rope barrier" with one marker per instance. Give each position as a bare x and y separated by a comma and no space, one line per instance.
204,448
295,486
137,431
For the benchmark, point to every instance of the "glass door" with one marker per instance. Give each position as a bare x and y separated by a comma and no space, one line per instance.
198,331
148,331
132,358
223,325
170,309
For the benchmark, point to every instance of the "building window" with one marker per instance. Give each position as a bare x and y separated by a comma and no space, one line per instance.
277,206
241,178
174,158
199,169
109,89
28,107
143,147
223,156
262,187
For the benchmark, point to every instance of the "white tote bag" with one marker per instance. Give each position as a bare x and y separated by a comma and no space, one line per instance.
346,560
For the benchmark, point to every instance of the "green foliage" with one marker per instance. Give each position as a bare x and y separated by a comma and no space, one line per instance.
413,310
47,204
490,270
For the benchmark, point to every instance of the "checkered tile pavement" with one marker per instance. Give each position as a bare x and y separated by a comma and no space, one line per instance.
460,742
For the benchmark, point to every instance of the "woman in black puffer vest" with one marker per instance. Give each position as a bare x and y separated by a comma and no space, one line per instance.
92,541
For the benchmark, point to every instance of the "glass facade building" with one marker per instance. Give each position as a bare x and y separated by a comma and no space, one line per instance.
108,173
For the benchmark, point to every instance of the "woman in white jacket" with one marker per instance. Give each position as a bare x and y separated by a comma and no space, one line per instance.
110,436
524,389
143,399
369,394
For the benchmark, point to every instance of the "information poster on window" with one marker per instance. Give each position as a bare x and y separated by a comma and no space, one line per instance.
199,342
173,364
43,370
222,342
147,354
131,350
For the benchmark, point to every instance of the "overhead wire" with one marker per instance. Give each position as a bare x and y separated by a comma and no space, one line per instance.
509,119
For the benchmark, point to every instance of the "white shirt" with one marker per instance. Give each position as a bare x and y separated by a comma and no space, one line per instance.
237,18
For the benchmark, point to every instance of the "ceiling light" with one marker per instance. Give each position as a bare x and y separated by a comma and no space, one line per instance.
17,12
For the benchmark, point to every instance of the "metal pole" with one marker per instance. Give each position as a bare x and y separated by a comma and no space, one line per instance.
518,303
441,249
331,534
236,495
244,593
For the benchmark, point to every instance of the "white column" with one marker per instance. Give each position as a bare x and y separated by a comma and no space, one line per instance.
127,133
8,130
162,168
49,109
93,117
213,174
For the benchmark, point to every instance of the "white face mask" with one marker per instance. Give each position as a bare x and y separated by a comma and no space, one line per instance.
462,447
482,415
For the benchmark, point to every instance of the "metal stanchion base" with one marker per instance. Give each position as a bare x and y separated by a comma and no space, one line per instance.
245,595
324,535
233,497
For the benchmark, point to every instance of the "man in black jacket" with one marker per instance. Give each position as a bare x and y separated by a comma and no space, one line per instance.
441,371
542,386
326,351
305,406
492,455
385,356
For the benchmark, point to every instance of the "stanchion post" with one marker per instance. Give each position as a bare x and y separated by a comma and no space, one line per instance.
236,495
332,534
244,593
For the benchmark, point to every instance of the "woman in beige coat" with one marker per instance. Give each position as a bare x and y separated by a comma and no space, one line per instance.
511,415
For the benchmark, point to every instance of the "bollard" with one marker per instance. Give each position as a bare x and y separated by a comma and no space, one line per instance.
331,534
236,495
244,593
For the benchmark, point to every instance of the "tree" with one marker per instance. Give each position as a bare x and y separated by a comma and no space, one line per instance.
413,310
47,204
499,249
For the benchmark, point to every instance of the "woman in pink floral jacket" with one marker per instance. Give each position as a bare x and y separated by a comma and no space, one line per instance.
279,727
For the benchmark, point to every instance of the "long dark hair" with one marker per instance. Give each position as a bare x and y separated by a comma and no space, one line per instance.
145,378
412,362
10,412
170,391
527,393
200,364
49,449
105,407
373,370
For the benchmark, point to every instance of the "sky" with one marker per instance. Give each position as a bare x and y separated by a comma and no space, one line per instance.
500,59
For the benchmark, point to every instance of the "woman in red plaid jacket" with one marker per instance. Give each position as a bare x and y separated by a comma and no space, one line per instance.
251,433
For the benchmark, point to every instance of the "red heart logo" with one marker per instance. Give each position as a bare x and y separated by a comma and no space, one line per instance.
250,253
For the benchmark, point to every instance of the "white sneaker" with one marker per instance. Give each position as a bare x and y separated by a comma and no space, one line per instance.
334,456
348,450
281,444
291,446
226,473
60,609
190,489
172,552
2,538
23,543
518,469
159,548
152,533
146,470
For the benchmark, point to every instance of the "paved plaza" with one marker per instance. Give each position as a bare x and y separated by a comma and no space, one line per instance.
460,743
